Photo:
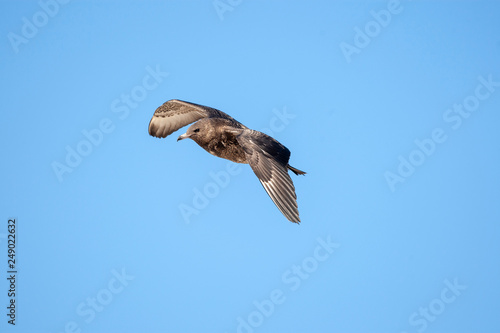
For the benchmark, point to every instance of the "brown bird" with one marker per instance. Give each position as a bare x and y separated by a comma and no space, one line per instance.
223,136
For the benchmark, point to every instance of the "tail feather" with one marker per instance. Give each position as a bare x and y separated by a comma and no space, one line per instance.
295,171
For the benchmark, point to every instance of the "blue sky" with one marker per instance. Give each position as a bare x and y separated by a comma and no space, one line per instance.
391,108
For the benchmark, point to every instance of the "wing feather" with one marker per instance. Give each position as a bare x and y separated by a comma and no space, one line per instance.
269,159
175,114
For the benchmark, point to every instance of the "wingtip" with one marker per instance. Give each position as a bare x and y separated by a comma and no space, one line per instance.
294,218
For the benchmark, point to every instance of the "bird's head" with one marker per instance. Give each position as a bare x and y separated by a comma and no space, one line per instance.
198,131
189,133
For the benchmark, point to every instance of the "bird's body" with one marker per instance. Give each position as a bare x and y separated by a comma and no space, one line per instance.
223,136
220,142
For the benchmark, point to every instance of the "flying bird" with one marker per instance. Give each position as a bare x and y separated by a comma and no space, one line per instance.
223,136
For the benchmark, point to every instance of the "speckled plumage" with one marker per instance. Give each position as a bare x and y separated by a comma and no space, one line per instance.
223,136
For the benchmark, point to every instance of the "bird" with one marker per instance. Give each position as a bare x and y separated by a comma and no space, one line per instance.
223,136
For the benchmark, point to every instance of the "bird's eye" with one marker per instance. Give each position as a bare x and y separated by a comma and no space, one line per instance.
196,130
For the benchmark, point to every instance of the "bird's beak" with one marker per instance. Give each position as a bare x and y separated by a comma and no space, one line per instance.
182,137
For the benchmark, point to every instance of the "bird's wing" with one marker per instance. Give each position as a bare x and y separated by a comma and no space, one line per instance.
175,114
269,159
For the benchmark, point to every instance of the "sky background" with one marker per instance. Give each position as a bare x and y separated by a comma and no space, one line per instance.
400,205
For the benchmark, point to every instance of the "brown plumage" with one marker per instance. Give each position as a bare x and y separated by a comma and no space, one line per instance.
223,136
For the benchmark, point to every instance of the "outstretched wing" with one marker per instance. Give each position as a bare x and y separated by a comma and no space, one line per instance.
269,159
175,114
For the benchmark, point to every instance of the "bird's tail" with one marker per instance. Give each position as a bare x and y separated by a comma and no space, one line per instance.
295,171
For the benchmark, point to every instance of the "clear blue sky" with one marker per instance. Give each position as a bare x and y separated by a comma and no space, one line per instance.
391,108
